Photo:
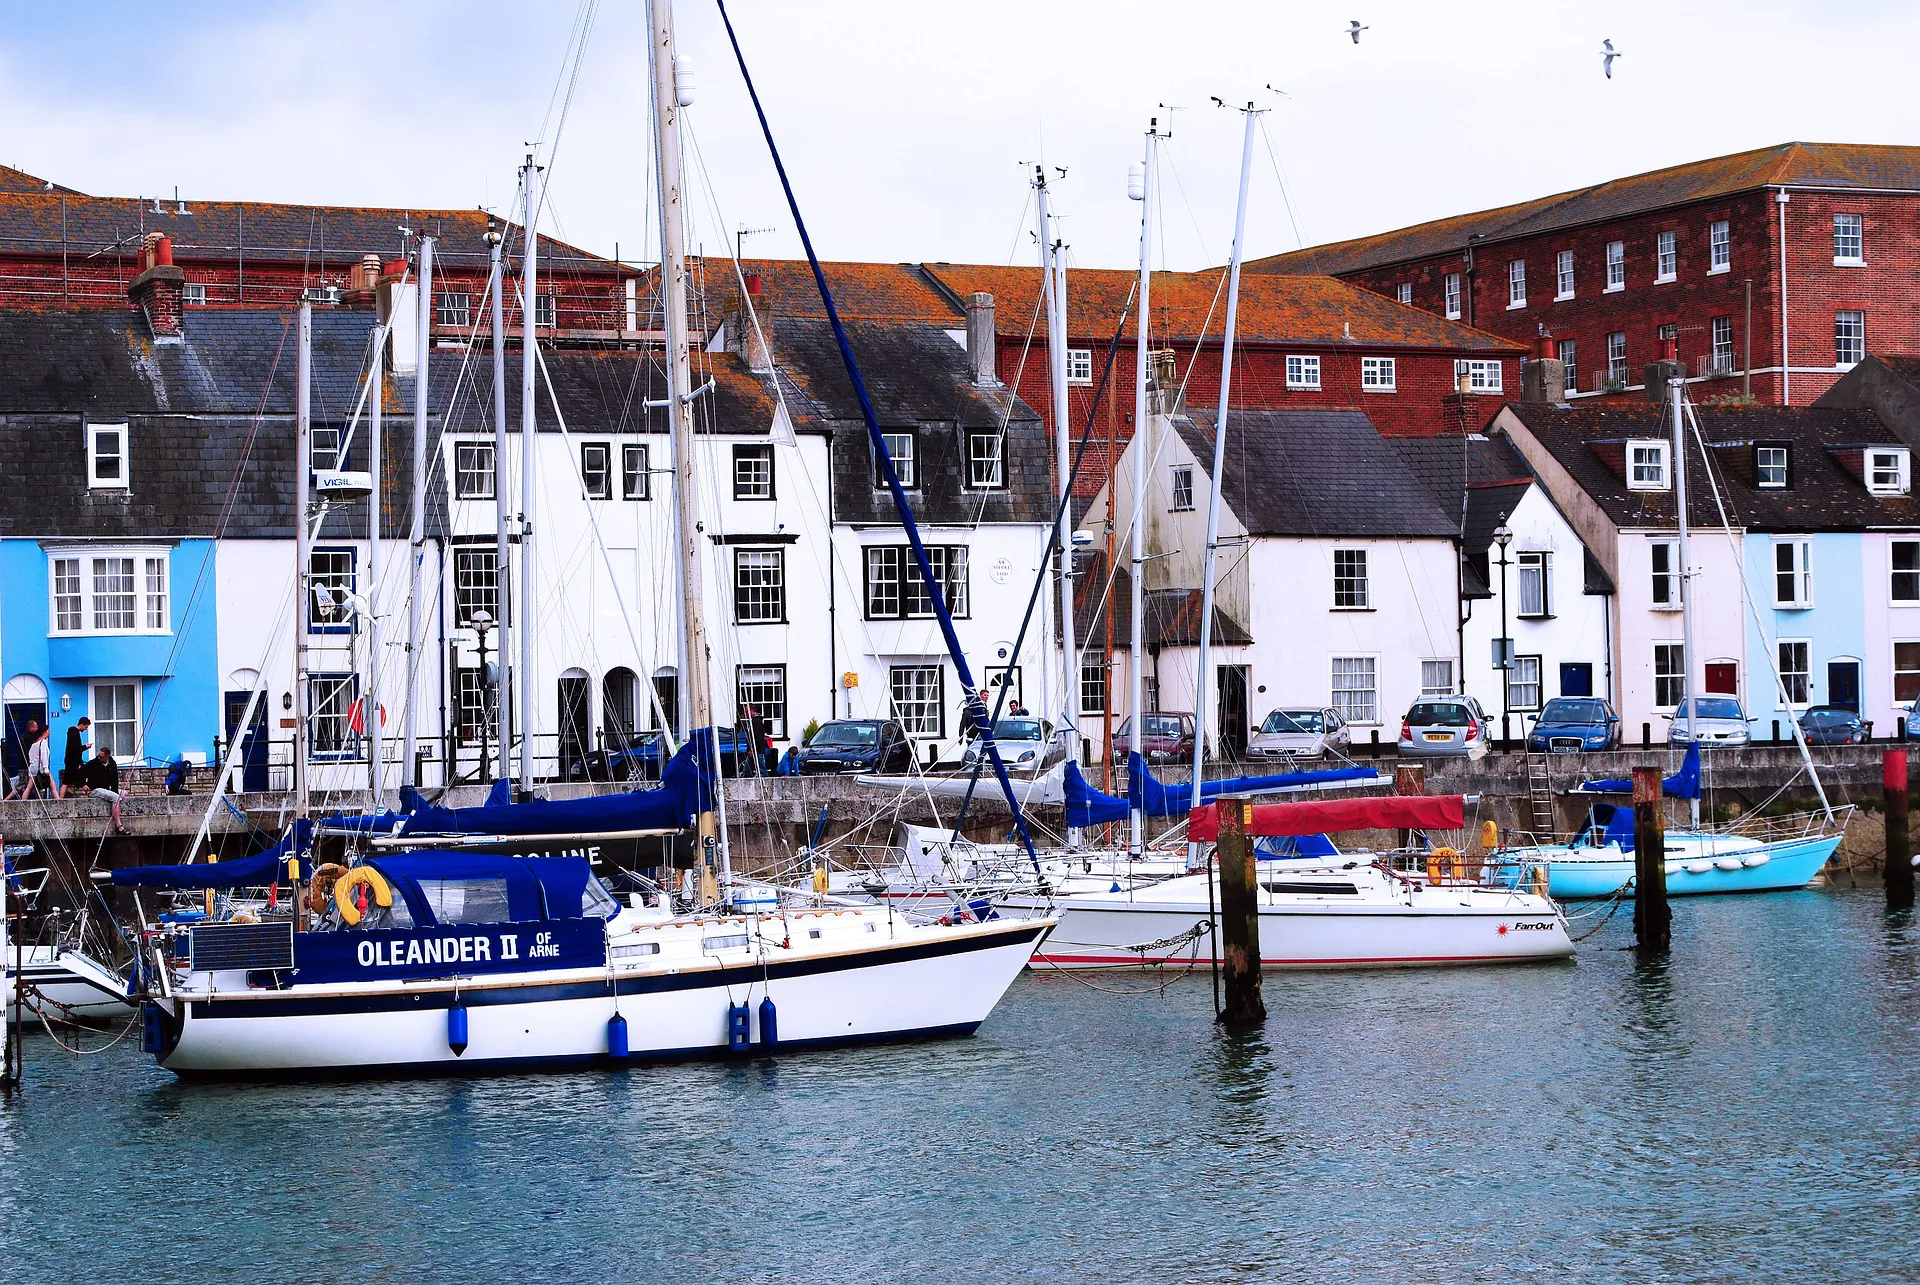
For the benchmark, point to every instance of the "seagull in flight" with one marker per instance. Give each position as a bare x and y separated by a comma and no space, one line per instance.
1607,55
1354,29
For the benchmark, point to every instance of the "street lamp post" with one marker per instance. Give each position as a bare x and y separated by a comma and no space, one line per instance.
483,625
1503,536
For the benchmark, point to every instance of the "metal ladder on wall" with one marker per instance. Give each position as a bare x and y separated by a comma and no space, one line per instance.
1540,797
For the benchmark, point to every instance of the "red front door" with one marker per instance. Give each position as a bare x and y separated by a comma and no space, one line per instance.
1722,678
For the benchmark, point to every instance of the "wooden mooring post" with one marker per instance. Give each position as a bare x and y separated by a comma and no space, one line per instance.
1409,778
1240,917
1899,867
1652,917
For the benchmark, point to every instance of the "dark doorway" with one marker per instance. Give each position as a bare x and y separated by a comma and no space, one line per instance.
576,721
666,688
1843,684
19,713
618,692
249,747
1233,710
1576,679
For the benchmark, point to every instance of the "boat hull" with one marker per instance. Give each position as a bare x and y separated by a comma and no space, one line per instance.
912,989
1524,929
70,988
1771,867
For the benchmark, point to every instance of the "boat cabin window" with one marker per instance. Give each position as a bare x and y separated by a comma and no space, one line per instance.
467,901
596,902
1336,889
728,942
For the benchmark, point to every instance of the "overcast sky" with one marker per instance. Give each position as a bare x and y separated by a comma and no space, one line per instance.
910,127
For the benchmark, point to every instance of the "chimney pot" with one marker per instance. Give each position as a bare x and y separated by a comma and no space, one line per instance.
981,339
753,283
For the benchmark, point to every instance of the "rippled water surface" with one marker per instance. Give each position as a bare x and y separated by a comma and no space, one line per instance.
1749,1110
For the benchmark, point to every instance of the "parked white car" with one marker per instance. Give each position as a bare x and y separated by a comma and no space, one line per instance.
1718,720
1300,733
1445,725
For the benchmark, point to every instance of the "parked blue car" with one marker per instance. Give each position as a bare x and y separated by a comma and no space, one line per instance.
1573,725
646,758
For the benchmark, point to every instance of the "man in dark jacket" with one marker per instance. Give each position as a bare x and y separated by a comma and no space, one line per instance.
72,770
103,780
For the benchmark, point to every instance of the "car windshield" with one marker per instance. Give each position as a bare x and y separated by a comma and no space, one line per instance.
1017,729
1293,720
1439,714
846,734
1162,726
1562,710
1829,717
1714,707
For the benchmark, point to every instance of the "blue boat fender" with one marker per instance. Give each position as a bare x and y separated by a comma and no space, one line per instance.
617,1037
769,1024
457,1029
739,1028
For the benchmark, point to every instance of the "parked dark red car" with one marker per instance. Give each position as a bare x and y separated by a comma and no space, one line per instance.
1165,737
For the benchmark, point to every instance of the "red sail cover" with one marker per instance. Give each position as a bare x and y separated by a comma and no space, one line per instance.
1330,816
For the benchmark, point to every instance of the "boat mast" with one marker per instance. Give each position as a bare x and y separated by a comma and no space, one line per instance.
1676,390
529,274
376,565
673,298
417,530
1219,462
1136,659
1053,268
502,521
302,558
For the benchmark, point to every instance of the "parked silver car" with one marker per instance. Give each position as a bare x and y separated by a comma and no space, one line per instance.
1026,744
1300,733
1718,720
1449,725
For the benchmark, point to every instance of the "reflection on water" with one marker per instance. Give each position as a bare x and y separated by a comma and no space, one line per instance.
1730,1112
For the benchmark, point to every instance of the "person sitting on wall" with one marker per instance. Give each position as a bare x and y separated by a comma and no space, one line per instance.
177,776
72,771
103,780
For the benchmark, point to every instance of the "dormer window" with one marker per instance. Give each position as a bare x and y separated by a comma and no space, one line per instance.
1770,467
1887,472
1647,466
107,456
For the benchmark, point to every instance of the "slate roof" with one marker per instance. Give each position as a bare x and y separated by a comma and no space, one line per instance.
1478,481
1823,493
1841,166
1187,306
196,449
861,291
1317,473
1172,616
13,180
916,377
602,391
35,221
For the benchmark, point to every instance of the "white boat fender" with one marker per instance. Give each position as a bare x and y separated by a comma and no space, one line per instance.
1699,867
1756,860
1728,863
457,1029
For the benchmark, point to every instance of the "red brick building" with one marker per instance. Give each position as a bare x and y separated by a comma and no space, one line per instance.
64,249
1712,254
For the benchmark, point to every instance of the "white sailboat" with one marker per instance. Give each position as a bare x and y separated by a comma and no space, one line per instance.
440,960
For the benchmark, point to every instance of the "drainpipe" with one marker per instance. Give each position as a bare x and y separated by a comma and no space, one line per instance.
1780,199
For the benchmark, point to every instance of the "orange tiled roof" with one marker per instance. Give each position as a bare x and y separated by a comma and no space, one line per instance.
1189,305
861,291
1835,165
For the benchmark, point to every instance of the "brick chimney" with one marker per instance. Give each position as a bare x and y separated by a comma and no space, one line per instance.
158,289
1657,373
982,362
1543,378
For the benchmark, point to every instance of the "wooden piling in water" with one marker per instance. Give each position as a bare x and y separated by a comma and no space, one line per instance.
1899,867
1652,917
1409,778
1239,916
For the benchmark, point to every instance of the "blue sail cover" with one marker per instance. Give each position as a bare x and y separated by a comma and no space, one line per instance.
1157,800
673,805
537,887
1684,784
260,868
1088,806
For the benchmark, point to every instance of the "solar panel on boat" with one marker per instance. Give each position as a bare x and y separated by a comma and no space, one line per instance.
217,947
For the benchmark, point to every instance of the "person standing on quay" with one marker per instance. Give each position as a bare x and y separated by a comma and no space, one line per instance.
39,766
73,771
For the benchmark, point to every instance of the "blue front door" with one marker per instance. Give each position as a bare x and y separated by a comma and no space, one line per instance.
249,745
1843,684
1576,679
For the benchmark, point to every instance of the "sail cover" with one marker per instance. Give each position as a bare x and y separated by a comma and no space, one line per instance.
1088,806
1157,800
1684,784
247,872
1324,816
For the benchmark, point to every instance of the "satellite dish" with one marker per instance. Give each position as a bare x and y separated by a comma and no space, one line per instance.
1083,539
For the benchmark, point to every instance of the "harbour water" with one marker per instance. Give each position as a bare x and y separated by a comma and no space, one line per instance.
1748,1110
